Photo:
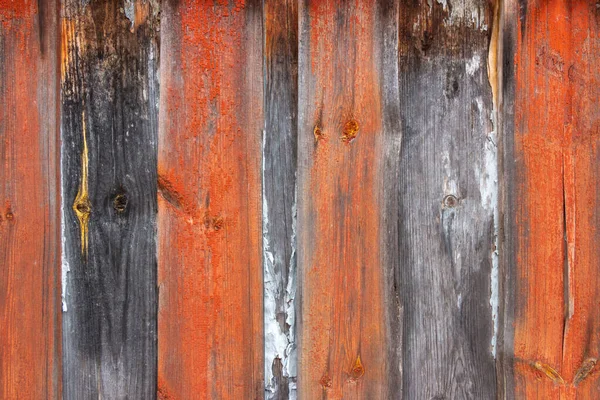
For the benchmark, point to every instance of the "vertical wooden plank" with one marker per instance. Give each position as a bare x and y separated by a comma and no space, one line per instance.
109,132
348,99
279,196
29,201
446,277
553,162
210,269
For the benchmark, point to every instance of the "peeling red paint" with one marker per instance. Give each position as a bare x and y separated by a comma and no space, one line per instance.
557,131
29,197
339,213
210,271
17,9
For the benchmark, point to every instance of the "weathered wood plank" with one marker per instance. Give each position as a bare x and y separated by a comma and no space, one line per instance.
279,196
553,320
348,134
109,132
29,201
447,196
210,269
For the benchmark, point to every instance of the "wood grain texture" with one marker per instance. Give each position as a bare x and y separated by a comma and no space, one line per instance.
554,325
279,196
30,360
210,264
109,132
447,196
348,100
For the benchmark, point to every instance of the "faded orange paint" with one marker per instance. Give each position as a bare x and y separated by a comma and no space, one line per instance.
557,127
29,205
209,221
342,338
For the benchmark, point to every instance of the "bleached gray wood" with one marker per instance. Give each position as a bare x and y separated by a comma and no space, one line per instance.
447,202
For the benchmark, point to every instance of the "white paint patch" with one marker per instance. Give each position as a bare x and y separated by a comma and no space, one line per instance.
129,8
466,12
450,185
473,65
63,238
488,188
479,103
278,344
291,362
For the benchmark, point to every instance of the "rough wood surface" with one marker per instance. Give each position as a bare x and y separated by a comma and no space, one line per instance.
210,230
109,133
447,193
30,361
348,101
357,199
279,196
553,223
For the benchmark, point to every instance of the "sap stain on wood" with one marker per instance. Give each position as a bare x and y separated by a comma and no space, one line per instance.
109,123
82,206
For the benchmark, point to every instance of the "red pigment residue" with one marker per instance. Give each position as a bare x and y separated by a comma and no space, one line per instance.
10,9
209,210
29,246
557,323
343,312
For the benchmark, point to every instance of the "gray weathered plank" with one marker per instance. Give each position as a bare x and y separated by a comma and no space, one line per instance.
447,199
109,132
279,196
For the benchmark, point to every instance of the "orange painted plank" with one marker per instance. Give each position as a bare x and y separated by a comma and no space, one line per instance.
341,269
209,218
556,218
29,202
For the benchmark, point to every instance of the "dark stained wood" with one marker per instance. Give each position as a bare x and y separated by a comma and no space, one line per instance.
109,133
553,222
209,221
446,271
348,135
279,196
30,360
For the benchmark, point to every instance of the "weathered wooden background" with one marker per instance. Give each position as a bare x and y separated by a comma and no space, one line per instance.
314,199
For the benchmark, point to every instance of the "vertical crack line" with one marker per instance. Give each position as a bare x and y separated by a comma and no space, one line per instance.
565,262
568,244
82,205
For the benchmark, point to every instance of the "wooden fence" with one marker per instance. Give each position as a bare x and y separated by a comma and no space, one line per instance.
314,199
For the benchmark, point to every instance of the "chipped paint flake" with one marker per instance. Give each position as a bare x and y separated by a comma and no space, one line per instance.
129,8
466,12
65,268
278,344
473,65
